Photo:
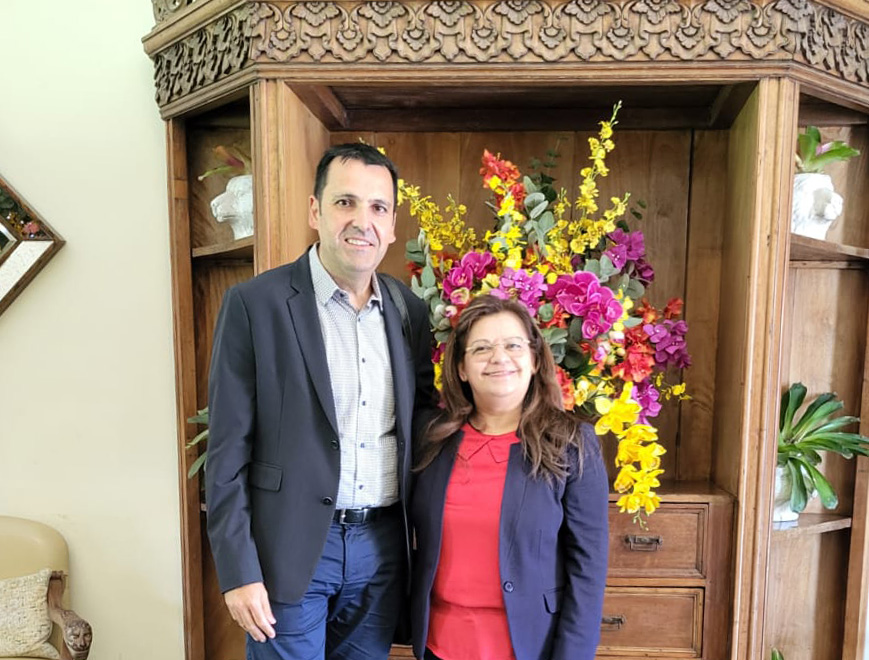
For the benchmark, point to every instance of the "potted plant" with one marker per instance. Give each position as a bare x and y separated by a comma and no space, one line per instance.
800,443
815,203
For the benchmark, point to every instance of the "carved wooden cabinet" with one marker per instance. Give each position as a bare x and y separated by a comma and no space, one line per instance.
713,93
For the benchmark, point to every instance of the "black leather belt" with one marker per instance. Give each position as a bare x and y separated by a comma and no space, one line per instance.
359,516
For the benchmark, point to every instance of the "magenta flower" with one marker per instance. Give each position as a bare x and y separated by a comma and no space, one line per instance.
572,291
647,396
668,338
644,272
628,247
528,288
480,263
582,295
459,277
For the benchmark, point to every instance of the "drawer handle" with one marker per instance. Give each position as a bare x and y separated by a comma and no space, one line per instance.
609,623
644,543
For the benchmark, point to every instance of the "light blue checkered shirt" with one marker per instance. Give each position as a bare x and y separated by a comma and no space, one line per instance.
361,377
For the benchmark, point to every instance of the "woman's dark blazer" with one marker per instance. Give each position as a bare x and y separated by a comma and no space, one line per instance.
552,552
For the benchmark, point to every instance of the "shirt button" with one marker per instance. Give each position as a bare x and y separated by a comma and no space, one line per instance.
328,501
363,403
334,444
363,360
361,487
508,587
361,445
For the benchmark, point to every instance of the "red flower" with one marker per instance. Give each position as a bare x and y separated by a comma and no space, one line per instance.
503,169
647,312
637,365
566,385
673,308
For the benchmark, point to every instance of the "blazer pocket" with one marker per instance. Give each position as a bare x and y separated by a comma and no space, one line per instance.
552,599
265,476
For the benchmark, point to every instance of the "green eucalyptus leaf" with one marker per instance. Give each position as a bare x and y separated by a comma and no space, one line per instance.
593,266
545,312
532,199
635,290
198,464
538,210
546,223
199,437
574,330
607,270
428,277
554,335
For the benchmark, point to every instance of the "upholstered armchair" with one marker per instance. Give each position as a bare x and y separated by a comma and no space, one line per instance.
34,562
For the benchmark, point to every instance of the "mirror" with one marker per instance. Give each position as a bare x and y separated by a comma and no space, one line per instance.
27,243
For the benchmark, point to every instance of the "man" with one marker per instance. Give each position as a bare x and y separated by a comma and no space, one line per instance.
311,394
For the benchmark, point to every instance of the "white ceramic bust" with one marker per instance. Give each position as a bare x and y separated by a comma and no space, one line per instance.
235,205
816,205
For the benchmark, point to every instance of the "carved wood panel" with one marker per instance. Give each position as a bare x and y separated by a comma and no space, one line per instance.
440,32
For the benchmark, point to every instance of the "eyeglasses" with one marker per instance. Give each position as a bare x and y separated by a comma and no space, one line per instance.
484,350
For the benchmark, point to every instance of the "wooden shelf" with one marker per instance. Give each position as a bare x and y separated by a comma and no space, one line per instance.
812,523
686,491
240,249
811,249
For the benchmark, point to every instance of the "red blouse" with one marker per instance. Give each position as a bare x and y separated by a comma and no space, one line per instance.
468,620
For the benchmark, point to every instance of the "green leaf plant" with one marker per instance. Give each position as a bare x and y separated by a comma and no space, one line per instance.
812,156
776,655
201,417
801,441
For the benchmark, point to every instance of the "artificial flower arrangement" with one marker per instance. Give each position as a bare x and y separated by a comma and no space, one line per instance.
582,275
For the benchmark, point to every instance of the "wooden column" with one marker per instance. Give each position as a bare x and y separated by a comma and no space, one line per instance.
857,597
754,261
185,385
288,141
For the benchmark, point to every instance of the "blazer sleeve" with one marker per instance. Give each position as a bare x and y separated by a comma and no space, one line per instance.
586,546
232,423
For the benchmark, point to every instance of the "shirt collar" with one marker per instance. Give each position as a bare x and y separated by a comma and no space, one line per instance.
325,287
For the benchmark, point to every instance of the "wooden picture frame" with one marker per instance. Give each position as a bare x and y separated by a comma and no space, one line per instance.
27,243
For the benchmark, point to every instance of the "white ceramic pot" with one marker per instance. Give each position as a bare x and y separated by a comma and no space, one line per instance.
235,206
816,205
782,511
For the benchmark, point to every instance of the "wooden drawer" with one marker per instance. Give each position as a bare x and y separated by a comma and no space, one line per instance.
651,623
671,546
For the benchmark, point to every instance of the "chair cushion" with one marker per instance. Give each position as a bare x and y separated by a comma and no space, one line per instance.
24,622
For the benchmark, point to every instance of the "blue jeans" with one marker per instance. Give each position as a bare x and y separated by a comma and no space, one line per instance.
352,604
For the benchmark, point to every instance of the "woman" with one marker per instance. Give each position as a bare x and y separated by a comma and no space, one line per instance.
509,506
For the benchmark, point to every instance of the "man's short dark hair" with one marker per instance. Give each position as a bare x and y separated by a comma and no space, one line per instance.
364,153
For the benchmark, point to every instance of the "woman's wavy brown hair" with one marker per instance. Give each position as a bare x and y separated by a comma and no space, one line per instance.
545,428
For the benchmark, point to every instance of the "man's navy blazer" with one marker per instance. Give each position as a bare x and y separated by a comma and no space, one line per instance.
553,547
273,450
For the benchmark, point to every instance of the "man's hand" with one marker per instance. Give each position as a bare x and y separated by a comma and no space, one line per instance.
249,607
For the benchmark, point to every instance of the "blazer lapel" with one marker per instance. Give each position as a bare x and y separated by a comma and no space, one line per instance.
302,304
402,379
511,503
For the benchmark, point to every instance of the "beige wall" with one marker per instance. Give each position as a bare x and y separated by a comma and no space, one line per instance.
86,369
